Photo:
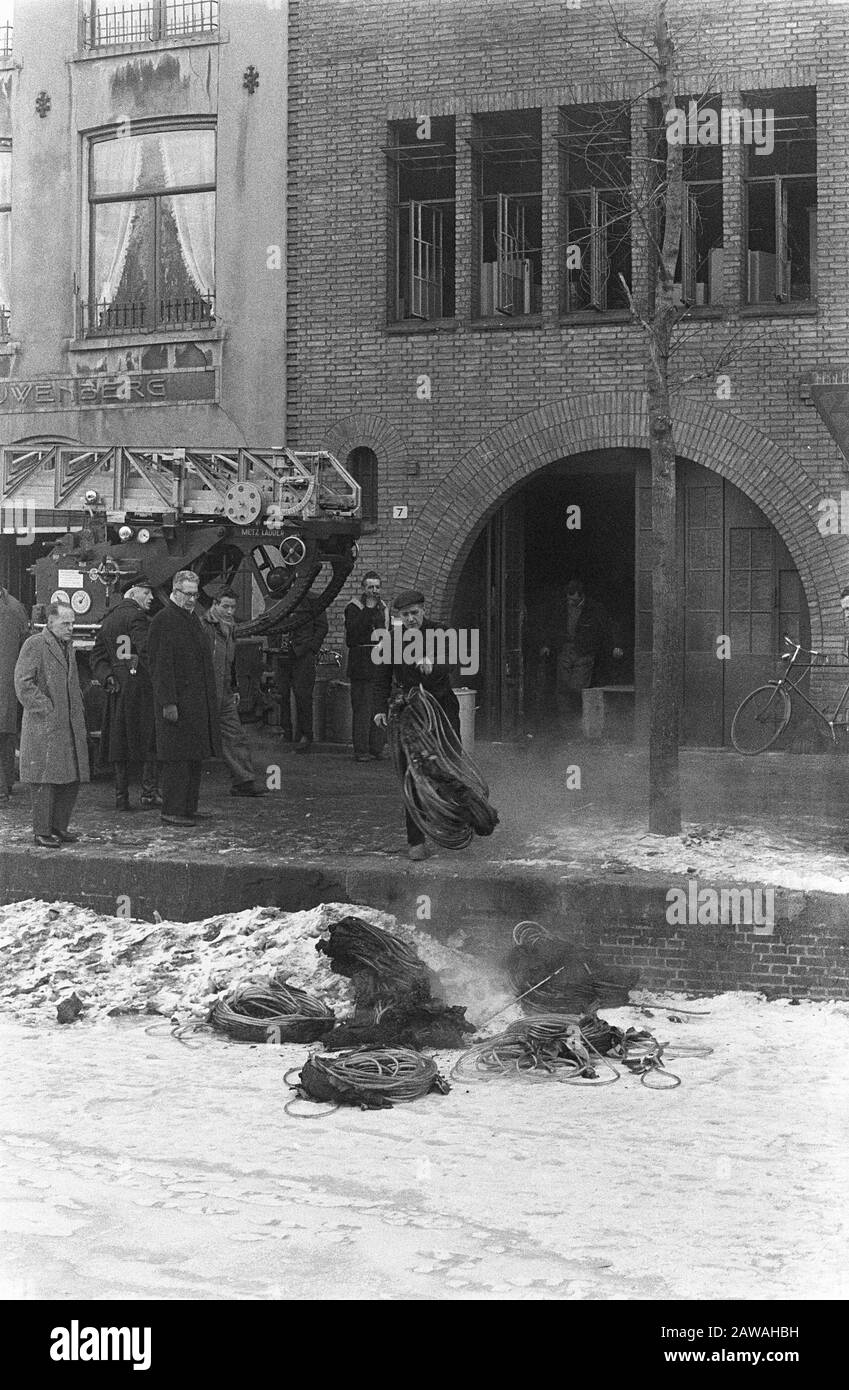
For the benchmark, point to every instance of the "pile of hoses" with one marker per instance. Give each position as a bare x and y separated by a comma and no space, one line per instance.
278,1014
549,975
568,1049
355,945
375,1079
444,791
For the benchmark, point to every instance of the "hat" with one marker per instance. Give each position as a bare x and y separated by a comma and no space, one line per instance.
407,598
136,581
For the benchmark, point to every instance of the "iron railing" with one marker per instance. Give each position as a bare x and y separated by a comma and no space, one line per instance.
5,40
5,321
105,24
100,317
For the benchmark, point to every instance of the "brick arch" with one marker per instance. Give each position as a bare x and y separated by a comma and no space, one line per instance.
717,439
366,430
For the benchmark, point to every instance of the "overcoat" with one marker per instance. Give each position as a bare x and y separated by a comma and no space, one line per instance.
54,747
182,673
13,629
127,733
395,676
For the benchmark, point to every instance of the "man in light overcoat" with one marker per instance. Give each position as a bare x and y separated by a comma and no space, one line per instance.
54,746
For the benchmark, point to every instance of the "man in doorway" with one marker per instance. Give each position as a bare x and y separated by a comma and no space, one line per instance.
299,649
581,641
14,626
363,617
219,623
434,677
54,742
120,664
185,700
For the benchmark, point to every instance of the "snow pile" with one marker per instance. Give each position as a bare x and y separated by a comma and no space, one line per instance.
119,965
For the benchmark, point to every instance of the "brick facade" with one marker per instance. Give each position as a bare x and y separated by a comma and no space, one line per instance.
508,398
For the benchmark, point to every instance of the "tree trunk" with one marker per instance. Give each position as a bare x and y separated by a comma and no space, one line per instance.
664,779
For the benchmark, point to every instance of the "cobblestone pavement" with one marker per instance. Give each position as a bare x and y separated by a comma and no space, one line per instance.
135,1167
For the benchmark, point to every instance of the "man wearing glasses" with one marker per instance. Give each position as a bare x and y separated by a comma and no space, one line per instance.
186,700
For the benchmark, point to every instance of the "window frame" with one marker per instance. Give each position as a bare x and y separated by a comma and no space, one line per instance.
155,324
782,278
510,223
412,210
600,195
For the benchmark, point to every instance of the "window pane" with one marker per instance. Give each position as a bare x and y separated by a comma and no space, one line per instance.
186,250
5,177
123,252
153,161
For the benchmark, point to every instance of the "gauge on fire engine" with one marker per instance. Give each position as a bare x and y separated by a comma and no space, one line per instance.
59,596
81,601
143,535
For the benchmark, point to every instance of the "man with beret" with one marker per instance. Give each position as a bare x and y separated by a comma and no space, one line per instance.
120,664
432,676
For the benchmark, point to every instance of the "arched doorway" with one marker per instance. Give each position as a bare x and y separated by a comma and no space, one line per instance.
589,515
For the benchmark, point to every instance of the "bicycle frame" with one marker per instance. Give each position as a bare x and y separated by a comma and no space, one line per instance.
784,682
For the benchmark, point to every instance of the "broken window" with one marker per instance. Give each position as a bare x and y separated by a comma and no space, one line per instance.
422,197
700,266
507,163
152,231
595,184
781,195
5,236
104,22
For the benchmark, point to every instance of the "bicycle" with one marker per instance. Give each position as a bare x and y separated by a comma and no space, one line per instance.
763,716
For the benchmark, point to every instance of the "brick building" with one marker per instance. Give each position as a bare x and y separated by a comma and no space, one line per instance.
440,339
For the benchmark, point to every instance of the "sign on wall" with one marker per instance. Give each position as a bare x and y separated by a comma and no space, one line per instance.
92,393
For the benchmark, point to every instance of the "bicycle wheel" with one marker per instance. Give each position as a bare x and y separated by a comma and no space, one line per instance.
760,719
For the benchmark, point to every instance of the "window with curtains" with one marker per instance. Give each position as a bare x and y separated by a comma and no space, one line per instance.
151,231
5,236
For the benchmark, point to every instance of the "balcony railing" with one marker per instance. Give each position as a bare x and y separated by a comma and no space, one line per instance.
106,24
5,40
100,318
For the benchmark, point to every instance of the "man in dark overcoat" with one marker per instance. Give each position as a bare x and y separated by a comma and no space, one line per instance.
363,617
14,626
120,663
185,700
299,648
54,742
433,676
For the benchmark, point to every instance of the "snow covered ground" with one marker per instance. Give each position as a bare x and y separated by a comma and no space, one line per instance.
135,1166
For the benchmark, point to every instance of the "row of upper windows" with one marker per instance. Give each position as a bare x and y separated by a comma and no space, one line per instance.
608,202
151,218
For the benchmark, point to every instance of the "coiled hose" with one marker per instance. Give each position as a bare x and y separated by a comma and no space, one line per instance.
375,1078
278,1014
444,791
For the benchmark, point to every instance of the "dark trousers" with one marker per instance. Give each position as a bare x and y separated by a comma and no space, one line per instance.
7,762
180,788
296,675
52,804
149,780
368,737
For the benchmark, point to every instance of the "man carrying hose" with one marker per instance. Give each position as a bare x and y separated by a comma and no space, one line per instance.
434,677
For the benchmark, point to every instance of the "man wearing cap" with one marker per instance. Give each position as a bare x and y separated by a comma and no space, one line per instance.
219,624
119,662
432,676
